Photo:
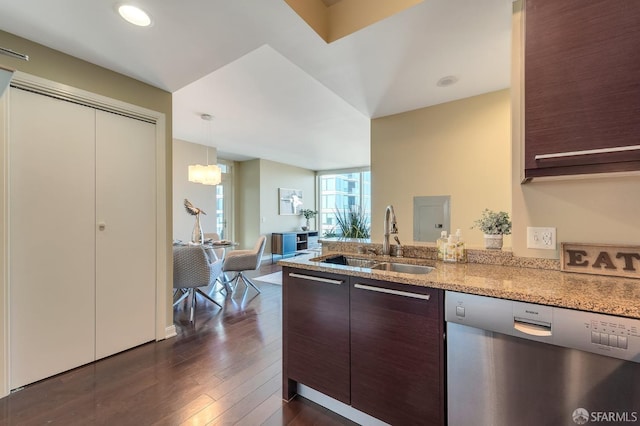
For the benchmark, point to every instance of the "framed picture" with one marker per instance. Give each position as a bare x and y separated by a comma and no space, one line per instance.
289,201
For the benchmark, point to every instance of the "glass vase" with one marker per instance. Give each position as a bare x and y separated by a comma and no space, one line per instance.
197,236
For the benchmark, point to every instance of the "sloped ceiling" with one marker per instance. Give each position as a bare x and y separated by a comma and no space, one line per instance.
275,88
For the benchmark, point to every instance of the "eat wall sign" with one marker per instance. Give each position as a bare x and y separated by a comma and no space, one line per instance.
602,259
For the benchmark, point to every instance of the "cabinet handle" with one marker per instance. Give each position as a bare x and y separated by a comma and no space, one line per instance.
588,152
312,278
395,292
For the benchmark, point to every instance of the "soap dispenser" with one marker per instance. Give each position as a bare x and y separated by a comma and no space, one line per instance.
461,250
450,249
440,243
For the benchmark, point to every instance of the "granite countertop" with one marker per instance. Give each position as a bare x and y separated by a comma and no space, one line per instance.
593,293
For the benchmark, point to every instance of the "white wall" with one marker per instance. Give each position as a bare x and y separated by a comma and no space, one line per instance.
202,196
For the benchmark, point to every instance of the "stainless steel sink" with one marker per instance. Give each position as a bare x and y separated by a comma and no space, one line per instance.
359,262
350,261
403,268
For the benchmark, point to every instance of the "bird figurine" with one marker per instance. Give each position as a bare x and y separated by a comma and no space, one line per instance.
191,209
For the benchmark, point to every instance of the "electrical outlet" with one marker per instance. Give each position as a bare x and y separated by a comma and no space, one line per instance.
541,238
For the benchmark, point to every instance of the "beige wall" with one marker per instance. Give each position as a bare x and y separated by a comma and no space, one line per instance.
346,16
247,208
202,196
349,16
460,148
277,175
596,209
257,192
314,13
57,66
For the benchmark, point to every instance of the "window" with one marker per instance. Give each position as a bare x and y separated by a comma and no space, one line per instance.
345,191
224,201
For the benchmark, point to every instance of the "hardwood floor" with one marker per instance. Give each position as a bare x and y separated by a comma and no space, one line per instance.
224,370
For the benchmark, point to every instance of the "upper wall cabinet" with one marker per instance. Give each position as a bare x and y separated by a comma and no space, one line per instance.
582,87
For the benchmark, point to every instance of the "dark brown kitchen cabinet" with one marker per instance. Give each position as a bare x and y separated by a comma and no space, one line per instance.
316,333
581,87
397,352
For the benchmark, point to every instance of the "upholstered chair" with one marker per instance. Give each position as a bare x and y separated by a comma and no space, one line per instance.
240,261
194,267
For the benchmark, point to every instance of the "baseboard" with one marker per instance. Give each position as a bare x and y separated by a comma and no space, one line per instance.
170,332
338,407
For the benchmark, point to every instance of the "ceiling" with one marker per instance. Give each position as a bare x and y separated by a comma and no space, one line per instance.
276,90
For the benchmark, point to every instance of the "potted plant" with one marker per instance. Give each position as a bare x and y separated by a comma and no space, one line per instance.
494,225
308,215
353,222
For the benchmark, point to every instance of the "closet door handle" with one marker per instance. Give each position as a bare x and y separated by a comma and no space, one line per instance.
588,152
102,226
312,278
394,292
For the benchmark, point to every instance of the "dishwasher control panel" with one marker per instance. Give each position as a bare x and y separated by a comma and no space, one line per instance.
606,335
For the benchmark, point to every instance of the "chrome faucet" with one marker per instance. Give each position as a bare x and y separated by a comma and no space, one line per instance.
389,228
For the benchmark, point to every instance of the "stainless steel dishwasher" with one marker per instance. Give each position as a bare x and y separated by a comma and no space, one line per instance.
512,363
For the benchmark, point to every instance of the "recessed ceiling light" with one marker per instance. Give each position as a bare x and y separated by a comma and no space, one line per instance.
447,81
134,15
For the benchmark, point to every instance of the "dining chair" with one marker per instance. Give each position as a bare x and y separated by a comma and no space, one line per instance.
240,261
194,267
214,236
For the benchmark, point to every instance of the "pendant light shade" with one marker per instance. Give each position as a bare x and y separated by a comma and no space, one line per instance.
209,174
206,175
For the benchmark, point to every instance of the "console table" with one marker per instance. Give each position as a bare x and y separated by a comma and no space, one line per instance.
288,243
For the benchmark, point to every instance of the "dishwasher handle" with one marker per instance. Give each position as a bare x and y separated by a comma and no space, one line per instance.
533,328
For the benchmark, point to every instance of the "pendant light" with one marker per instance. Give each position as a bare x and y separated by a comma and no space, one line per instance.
209,174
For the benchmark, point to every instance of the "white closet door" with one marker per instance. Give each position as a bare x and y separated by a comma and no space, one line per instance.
51,236
126,256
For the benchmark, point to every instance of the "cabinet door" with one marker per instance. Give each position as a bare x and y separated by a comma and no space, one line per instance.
312,239
126,245
51,236
316,332
283,243
582,98
397,352
288,243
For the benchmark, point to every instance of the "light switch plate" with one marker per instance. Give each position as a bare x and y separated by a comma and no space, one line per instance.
541,238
